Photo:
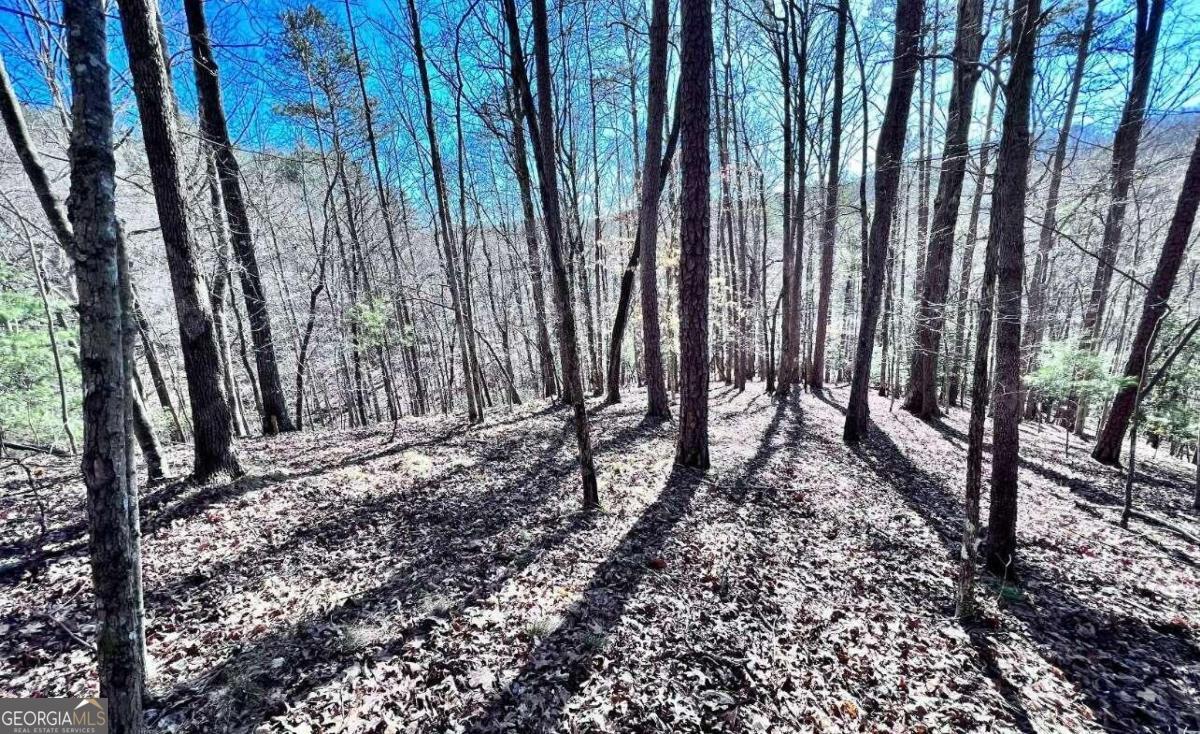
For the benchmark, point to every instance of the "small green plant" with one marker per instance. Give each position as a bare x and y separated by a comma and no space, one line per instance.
29,397
541,626
1066,370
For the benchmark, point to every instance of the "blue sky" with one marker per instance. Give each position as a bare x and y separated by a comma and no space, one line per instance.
244,31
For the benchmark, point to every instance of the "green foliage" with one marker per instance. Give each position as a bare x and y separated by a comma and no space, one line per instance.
1065,370
29,399
372,320
1172,410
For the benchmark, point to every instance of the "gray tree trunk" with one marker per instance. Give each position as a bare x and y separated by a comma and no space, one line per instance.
112,497
216,131
658,404
1007,231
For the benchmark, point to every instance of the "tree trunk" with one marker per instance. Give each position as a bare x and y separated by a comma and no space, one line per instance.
411,355
51,332
215,129
789,358
18,133
211,417
658,404
218,292
781,45
816,377
695,63
935,282
954,388
112,496
1125,150
1108,444
1007,230
542,133
1047,231
889,154
474,409
533,252
625,296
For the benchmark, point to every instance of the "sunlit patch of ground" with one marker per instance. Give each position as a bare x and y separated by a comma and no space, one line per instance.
444,579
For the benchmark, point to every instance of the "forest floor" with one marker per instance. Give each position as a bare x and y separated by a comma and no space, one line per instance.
439,578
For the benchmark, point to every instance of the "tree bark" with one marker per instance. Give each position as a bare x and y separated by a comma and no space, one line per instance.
695,64
474,409
658,404
954,388
1125,149
816,377
542,133
215,129
18,133
781,44
1108,444
789,357
931,318
1047,231
112,496
625,295
1007,230
888,158
410,352
532,250
211,417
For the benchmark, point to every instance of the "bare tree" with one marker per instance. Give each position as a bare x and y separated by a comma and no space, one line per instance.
658,405
829,218
1108,443
1047,232
1147,23
888,158
922,389
457,297
625,295
216,131
211,416
1007,231
542,132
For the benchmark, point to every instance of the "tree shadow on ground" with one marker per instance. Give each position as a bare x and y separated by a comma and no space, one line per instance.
537,697
923,492
183,498
561,662
1168,497
442,559
1109,657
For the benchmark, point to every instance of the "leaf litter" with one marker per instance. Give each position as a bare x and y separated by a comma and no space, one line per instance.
440,578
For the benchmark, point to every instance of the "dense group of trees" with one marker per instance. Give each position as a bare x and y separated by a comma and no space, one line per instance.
397,188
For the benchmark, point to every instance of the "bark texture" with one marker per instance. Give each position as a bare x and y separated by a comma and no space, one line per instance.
658,405
1047,232
211,416
542,133
216,131
625,295
1007,231
695,168
888,157
829,218
1108,443
112,497
931,316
